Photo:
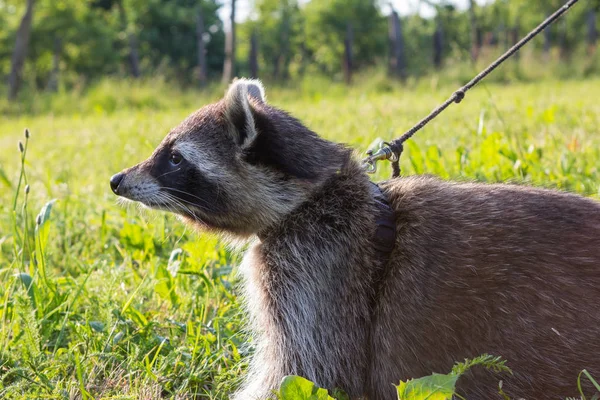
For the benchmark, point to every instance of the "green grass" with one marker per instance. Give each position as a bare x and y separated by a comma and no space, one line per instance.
98,301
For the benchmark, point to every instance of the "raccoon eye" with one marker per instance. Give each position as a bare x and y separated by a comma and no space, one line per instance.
175,158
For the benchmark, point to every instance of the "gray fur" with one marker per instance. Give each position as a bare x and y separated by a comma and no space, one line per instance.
507,270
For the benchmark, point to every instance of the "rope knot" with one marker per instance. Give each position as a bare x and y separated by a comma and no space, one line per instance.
459,96
397,148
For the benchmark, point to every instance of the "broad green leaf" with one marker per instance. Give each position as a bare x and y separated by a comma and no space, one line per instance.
165,287
298,388
96,325
42,222
433,387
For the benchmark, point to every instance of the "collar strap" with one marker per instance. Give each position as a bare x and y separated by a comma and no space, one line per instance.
384,239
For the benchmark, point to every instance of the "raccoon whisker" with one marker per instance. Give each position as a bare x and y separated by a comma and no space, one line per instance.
165,201
204,202
160,200
169,198
181,191
169,172
175,200
183,206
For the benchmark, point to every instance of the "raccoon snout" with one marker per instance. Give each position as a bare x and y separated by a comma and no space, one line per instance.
115,180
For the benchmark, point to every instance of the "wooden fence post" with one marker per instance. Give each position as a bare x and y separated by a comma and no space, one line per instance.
202,66
229,65
438,46
592,31
475,32
131,40
515,31
347,61
397,67
54,74
547,41
253,57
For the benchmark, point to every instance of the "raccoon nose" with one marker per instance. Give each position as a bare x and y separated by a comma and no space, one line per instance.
115,180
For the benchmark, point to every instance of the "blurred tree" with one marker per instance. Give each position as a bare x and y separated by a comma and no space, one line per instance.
134,58
127,27
86,37
326,28
168,35
20,51
278,26
72,42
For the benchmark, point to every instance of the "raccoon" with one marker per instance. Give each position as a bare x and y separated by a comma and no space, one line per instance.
507,270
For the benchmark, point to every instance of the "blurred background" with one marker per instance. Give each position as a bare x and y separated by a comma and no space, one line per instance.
70,45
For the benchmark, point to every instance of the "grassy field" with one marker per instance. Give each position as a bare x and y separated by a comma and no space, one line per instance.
97,301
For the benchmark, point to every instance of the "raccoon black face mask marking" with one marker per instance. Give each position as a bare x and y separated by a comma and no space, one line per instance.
237,165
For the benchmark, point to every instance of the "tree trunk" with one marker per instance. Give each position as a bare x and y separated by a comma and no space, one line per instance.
475,32
20,51
347,61
54,74
131,40
592,35
253,57
397,62
228,66
202,67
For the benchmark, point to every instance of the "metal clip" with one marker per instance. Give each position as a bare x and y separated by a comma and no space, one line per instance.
384,153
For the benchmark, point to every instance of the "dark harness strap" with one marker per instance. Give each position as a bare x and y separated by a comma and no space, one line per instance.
384,239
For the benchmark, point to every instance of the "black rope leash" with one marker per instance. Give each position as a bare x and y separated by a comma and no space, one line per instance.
392,150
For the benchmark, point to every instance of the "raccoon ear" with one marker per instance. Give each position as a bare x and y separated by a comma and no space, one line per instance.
239,109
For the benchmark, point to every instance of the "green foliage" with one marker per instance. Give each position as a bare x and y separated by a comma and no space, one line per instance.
326,26
443,387
433,387
85,38
279,29
91,39
75,43
489,362
167,34
297,388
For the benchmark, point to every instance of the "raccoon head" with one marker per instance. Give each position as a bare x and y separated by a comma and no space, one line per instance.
238,165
